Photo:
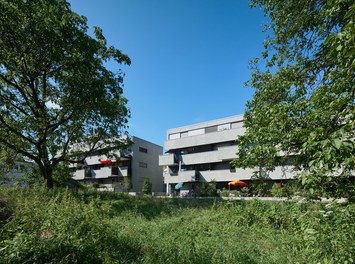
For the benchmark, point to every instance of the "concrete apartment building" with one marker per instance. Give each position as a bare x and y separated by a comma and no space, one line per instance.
132,165
202,153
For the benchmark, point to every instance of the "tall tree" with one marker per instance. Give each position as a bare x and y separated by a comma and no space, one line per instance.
57,98
303,105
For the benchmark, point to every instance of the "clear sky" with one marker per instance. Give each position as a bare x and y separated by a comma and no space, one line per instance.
189,57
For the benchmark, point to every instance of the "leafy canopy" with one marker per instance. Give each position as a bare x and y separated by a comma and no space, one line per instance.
303,107
55,91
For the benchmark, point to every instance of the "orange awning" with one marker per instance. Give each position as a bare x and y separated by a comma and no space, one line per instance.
238,183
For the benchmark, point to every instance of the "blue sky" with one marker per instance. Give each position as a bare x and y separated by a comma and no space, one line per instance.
189,57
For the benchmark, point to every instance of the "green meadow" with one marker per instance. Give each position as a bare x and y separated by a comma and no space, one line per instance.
61,226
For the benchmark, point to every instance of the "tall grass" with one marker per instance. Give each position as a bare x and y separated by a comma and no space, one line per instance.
59,226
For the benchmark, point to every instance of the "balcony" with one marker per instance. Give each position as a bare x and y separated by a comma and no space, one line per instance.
79,174
167,160
222,154
102,173
182,176
226,175
120,171
204,139
280,173
95,159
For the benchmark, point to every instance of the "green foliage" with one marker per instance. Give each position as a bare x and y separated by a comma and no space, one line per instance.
5,211
127,183
258,184
58,226
245,191
277,190
224,192
7,160
235,193
53,227
208,189
58,100
62,172
302,112
147,186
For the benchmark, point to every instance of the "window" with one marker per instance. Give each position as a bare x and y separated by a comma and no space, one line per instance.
196,132
114,171
144,150
237,124
143,165
184,134
224,127
211,129
174,136
124,163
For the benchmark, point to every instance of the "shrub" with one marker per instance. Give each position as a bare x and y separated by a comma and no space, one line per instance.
277,190
224,193
127,183
235,193
5,211
147,186
245,191
208,189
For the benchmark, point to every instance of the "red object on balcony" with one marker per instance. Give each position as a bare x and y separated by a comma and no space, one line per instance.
107,162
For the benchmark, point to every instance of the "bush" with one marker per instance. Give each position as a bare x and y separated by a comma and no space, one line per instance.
147,186
208,189
235,193
224,193
245,191
277,191
5,211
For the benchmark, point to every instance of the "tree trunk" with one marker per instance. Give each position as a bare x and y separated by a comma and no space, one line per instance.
47,173
49,183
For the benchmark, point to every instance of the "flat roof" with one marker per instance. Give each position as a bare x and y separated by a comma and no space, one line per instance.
225,120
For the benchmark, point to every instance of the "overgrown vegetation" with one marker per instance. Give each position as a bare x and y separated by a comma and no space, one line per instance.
59,226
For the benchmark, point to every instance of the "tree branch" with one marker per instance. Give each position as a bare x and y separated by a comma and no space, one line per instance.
9,101
19,150
20,89
13,130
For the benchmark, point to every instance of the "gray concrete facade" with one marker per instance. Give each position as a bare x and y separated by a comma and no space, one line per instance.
125,172
202,153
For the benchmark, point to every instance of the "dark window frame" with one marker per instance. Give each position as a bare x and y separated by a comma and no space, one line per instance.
143,165
144,150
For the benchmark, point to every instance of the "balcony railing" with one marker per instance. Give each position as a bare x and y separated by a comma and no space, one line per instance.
167,160
204,139
182,176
